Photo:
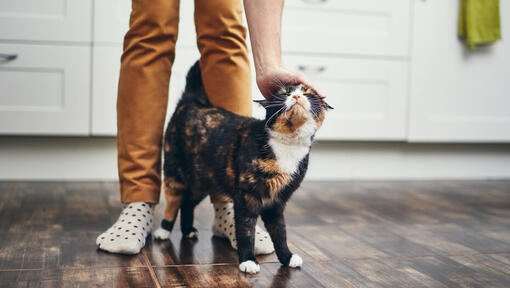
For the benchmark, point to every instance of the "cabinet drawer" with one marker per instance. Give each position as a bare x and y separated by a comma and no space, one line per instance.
111,22
368,27
45,91
369,96
48,20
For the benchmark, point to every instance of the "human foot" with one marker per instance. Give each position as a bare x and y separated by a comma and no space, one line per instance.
224,226
128,234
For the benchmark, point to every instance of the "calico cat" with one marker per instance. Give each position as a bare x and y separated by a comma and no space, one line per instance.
258,163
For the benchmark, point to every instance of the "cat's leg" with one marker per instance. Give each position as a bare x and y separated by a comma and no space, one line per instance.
245,221
174,191
187,217
275,225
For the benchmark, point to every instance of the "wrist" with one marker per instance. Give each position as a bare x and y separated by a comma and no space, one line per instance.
263,68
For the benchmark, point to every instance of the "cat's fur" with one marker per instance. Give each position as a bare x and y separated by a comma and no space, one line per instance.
258,163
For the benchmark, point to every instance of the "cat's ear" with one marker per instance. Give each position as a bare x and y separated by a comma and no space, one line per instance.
328,106
263,102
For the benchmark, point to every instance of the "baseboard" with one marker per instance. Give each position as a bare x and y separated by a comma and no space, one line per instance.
74,158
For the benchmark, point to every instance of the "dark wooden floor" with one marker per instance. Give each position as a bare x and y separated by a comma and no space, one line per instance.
350,234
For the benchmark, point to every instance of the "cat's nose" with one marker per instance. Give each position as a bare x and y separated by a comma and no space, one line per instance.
296,96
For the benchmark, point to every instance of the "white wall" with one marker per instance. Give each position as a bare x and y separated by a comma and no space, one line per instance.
72,158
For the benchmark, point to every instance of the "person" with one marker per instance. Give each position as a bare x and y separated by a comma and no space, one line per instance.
146,62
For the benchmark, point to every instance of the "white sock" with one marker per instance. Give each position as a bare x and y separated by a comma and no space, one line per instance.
128,234
224,226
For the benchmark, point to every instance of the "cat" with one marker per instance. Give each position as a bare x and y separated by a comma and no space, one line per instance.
258,163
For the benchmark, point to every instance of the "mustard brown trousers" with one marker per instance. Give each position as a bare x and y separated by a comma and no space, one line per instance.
146,63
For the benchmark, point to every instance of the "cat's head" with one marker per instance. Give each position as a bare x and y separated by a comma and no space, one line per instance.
294,110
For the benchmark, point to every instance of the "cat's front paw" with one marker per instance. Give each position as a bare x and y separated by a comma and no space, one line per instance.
295,261
249,267
161,234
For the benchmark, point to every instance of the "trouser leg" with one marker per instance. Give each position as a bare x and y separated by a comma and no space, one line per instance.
224,62
148,55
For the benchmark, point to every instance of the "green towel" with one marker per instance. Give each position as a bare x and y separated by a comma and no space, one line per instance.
479,22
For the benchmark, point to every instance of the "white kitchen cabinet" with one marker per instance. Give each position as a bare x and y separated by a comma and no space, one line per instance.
105,78
457,95
368,96
48,20
111,20
353,27
45,90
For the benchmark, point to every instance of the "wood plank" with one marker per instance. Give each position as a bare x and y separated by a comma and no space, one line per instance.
439,271
47,250
497,262
104,277
311,274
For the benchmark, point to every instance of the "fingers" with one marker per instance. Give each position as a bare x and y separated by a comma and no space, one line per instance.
303,79
276,78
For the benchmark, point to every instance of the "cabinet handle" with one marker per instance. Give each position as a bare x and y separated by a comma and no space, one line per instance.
312,69
8,57
314,1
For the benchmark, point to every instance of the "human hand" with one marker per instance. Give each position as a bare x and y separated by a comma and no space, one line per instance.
277,76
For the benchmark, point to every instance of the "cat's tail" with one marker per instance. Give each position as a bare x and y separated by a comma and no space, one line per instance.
194,90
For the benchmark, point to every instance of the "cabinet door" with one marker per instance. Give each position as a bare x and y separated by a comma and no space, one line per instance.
457,95
45,91
373,27
48,20
111,22
368,96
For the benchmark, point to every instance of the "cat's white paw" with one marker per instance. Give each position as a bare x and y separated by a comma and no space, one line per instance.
192,235
295,261
249,267
161,234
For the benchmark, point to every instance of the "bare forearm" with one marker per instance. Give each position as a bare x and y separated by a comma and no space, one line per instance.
264,23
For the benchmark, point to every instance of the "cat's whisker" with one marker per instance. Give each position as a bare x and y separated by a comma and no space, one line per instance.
274,115
274,105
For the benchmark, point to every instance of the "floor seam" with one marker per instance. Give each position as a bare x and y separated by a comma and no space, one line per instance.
151,269
488,265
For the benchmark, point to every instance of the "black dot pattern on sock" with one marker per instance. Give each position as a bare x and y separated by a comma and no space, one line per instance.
138,213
